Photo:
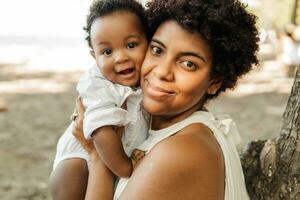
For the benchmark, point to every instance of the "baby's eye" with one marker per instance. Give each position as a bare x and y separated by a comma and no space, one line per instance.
107,52
131,45
189,65
156,50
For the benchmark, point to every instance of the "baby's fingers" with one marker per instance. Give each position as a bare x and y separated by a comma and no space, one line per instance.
138,154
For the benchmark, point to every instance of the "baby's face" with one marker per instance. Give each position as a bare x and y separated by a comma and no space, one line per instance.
119,47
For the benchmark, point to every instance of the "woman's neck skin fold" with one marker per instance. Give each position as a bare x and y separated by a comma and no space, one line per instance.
163,121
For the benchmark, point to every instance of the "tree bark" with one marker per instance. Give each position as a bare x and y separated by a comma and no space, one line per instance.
272,167
295,12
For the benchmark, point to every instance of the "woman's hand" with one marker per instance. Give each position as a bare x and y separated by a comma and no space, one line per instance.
78,128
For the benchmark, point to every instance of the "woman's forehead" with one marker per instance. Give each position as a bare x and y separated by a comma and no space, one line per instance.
171,34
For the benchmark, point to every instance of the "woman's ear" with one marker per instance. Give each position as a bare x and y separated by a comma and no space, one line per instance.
214,86
92,53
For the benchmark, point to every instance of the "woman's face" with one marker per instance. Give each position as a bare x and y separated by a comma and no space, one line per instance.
175,73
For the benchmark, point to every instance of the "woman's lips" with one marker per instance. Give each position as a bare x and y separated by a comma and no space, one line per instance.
157,92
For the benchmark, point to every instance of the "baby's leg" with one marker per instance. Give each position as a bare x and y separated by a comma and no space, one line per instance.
69,180
69,177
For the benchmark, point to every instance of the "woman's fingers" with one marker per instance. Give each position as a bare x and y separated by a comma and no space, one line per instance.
77,130
79,106
78,121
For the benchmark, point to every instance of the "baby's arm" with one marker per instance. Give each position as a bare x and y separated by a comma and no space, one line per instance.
109,146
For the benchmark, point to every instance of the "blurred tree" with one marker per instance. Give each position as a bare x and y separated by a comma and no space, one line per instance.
273,13
272,167
295,12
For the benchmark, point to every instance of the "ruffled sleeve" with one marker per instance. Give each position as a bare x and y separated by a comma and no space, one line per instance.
102,100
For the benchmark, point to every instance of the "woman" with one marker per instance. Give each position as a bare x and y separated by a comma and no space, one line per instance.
199,49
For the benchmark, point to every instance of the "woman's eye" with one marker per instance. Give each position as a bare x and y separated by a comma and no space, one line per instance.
189,65
131,45
156,50
107,52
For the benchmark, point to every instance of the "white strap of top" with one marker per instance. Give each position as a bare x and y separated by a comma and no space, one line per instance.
223,123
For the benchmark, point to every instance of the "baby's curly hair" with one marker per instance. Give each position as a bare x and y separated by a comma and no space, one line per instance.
100,8
227,27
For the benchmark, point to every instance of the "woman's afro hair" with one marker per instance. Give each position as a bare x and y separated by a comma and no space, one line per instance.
100,8
227,27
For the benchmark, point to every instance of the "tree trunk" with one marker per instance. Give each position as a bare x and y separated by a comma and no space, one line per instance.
272,167
295,12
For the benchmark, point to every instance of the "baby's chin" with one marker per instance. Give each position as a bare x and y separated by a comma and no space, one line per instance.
133,81
130,83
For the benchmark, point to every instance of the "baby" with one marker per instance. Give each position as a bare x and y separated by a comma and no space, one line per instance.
117,35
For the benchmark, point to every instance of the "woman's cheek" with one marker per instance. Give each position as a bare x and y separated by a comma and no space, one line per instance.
146,67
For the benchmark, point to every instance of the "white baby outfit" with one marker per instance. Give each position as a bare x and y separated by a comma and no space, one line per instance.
226,134
102,100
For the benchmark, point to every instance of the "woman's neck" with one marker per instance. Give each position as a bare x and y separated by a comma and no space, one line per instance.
163,121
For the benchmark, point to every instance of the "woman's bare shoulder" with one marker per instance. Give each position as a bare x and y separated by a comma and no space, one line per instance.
193,144
180,167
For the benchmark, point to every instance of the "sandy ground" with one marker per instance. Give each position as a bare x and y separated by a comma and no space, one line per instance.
39,103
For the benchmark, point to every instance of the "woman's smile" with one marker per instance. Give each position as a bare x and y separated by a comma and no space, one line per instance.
155,92
174,78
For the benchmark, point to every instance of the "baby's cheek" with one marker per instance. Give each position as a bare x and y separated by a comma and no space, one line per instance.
140,60
100,63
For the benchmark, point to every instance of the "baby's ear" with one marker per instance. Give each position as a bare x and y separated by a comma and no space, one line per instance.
92,53
215,85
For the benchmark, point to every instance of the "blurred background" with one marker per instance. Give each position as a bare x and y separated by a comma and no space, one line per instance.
43,53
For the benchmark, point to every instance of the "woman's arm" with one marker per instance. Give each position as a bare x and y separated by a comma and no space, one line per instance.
101,179
181,167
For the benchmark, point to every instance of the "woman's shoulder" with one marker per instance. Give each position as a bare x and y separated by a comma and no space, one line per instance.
194,143
188,160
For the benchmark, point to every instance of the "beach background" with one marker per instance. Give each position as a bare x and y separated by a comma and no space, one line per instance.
43,54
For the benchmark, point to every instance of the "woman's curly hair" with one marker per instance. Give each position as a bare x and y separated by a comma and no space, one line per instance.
227,27
100,8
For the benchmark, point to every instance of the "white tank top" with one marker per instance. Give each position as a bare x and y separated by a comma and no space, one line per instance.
226,134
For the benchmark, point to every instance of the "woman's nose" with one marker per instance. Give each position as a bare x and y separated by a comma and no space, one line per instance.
121,56
164,70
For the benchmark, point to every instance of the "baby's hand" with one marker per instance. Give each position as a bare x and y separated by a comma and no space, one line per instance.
136,156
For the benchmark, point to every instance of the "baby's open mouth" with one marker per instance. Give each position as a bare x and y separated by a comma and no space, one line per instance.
127,71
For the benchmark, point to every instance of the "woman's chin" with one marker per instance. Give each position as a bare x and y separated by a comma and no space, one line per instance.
153,108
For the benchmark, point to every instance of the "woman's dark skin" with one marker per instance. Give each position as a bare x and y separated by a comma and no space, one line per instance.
193,154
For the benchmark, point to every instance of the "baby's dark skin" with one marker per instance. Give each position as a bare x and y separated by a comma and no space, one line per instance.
89,145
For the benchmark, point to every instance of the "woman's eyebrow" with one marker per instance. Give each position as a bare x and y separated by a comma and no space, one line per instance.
183,53
157,41
193,54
